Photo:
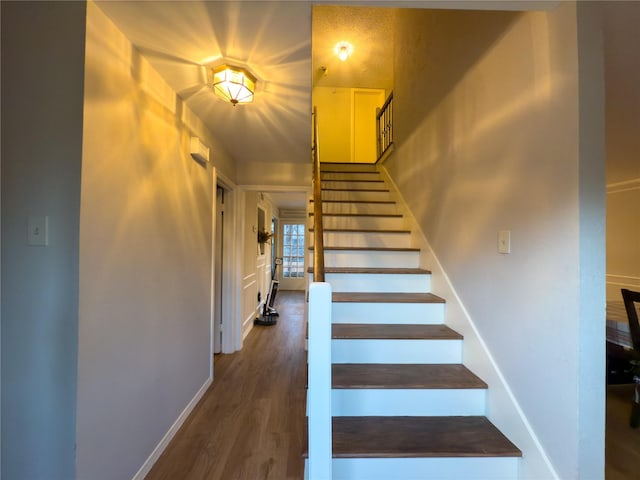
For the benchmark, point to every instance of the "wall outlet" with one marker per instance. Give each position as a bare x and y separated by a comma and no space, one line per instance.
504,241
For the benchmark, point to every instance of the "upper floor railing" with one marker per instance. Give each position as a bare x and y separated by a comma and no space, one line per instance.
384,126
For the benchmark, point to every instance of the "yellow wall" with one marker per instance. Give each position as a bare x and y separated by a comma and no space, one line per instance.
347,123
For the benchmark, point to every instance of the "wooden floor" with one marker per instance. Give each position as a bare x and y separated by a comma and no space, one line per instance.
622,442
250,424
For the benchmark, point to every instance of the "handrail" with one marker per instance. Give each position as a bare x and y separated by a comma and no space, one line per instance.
384,125
318,233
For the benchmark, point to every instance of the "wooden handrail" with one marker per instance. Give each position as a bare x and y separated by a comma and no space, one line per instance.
318,233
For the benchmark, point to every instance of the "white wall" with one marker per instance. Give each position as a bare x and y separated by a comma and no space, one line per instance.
493,132
145,258
42,94
622,77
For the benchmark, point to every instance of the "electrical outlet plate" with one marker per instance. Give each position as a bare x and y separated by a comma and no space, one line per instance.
504,241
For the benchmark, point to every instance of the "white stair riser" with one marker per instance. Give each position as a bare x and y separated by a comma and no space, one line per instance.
364,222
377,313
366,239
395,351
355,208
407,402
354,185
350,176
378,282
371,259
471,468
347,167
358,196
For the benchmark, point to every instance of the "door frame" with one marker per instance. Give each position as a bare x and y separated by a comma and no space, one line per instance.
230,341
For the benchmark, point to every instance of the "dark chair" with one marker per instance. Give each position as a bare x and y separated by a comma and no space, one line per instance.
631,300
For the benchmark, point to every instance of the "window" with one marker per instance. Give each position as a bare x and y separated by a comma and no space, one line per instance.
293,250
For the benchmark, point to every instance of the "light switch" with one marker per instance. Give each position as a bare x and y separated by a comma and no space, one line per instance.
38,231
504,241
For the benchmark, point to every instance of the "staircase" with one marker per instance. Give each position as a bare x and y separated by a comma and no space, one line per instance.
403,405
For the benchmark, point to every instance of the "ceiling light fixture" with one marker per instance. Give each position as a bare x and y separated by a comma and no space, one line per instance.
233,84
343,50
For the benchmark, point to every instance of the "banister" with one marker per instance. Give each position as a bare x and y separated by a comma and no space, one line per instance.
384,126
318,233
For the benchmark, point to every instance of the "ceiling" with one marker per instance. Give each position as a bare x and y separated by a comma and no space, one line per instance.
182,40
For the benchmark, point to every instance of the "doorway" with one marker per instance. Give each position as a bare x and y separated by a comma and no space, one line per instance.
293,246
224,267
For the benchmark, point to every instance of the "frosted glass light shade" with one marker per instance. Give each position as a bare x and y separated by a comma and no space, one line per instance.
234,84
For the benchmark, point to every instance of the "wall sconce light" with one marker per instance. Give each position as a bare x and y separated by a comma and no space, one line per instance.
233,84
343,50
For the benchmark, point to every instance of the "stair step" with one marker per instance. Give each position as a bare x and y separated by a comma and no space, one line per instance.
362,279
368,257
358,218
355,201
348,176
369,249
404,376
364,331
420,389
383,437
351,215
354,185
366,238
387,308
385,297
361,195
337,167
361,270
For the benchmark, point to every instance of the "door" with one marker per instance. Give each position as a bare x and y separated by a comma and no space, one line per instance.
219,268
293,247
365,105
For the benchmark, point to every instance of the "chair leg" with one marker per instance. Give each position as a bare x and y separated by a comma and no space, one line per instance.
635,410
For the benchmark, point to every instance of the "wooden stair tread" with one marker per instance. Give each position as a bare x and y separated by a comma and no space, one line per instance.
382,190
385,215
393,332
357,201
355,180
408,437
364,230
385,297
361,270
403,376
373,172
365,249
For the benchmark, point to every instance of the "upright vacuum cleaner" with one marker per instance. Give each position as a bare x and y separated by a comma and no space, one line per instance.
269,313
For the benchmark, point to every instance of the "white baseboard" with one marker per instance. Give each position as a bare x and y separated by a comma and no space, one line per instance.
153,458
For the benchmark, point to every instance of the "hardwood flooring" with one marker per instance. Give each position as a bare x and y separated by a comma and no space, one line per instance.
251,422
622,444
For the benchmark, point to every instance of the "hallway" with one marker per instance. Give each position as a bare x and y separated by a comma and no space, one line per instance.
250,423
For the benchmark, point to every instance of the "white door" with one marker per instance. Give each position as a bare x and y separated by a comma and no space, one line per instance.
293,247
219,268
366,101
